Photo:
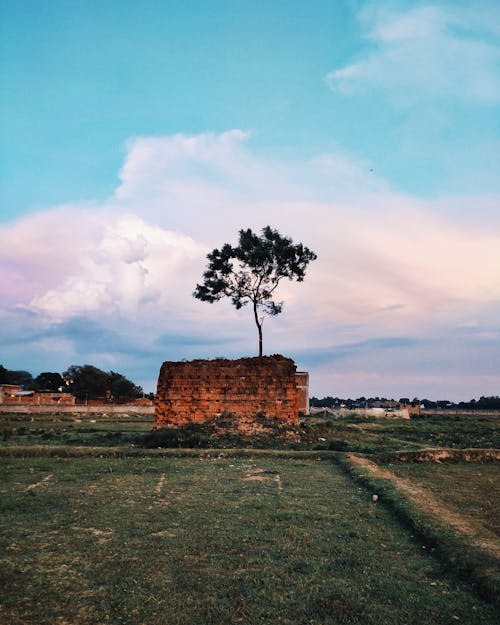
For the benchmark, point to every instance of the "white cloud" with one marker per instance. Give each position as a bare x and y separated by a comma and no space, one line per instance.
428,51
131,264
387,263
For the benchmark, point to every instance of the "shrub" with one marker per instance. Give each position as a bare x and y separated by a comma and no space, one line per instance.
186,436
338,444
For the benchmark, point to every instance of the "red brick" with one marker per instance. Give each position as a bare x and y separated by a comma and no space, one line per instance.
202,389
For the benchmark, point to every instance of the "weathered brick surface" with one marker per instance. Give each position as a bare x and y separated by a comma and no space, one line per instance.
302,381
202,389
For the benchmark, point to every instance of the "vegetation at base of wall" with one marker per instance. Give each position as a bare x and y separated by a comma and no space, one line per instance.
464,558
191,435
368,436
261,540
219,433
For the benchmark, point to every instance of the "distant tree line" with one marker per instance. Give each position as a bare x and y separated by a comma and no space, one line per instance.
83,381
483,403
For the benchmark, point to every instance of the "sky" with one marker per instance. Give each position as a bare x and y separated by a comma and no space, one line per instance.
138,136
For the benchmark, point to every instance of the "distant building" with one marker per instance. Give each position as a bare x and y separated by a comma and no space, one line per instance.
8,391
12,394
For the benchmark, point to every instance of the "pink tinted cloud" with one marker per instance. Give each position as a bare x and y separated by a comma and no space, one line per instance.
388,264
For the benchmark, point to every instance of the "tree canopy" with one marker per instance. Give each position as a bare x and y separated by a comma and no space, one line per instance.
251,272
89,382
22,378
49,381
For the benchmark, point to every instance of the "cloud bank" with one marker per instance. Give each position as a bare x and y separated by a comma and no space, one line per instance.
402,293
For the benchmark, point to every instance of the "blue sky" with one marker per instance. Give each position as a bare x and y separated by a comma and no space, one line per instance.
137,136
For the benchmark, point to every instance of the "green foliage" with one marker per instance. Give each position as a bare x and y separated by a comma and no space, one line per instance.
89,382
49,381
121,388
191,435
4,375
339,444
251,272
23,378
86,382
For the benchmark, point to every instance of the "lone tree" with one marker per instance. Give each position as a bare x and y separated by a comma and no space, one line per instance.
251,272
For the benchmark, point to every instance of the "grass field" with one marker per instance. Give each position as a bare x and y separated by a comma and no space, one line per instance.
209,541
472,489
123,532
386,435
347,434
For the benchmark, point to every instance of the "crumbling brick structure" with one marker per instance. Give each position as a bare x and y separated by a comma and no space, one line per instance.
202,389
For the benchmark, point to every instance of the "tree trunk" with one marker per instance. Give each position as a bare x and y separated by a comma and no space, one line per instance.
259,327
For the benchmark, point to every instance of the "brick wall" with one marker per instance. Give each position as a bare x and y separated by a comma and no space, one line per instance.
302,380
201,389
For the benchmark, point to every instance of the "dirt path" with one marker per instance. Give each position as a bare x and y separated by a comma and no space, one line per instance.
161,483
425,499
42,482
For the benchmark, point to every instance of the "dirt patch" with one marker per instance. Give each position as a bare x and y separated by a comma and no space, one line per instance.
160,484
164,534
42,482
102,535
443,455
260,475
425,499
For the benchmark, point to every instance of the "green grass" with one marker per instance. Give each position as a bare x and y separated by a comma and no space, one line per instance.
356,434
165,540
386,435
471,489
126,530
471,553
65,430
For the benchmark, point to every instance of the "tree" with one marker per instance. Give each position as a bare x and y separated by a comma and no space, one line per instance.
4,375
89,382
121,388
251,272
23,378
48,381
86,381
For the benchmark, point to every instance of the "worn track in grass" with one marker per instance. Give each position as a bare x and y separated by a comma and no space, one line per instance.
433,505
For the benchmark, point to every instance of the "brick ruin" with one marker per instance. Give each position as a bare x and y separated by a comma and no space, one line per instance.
199,390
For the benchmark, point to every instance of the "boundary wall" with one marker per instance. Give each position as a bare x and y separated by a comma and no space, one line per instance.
76,409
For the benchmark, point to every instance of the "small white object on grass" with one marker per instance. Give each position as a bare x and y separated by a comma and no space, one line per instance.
374,498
